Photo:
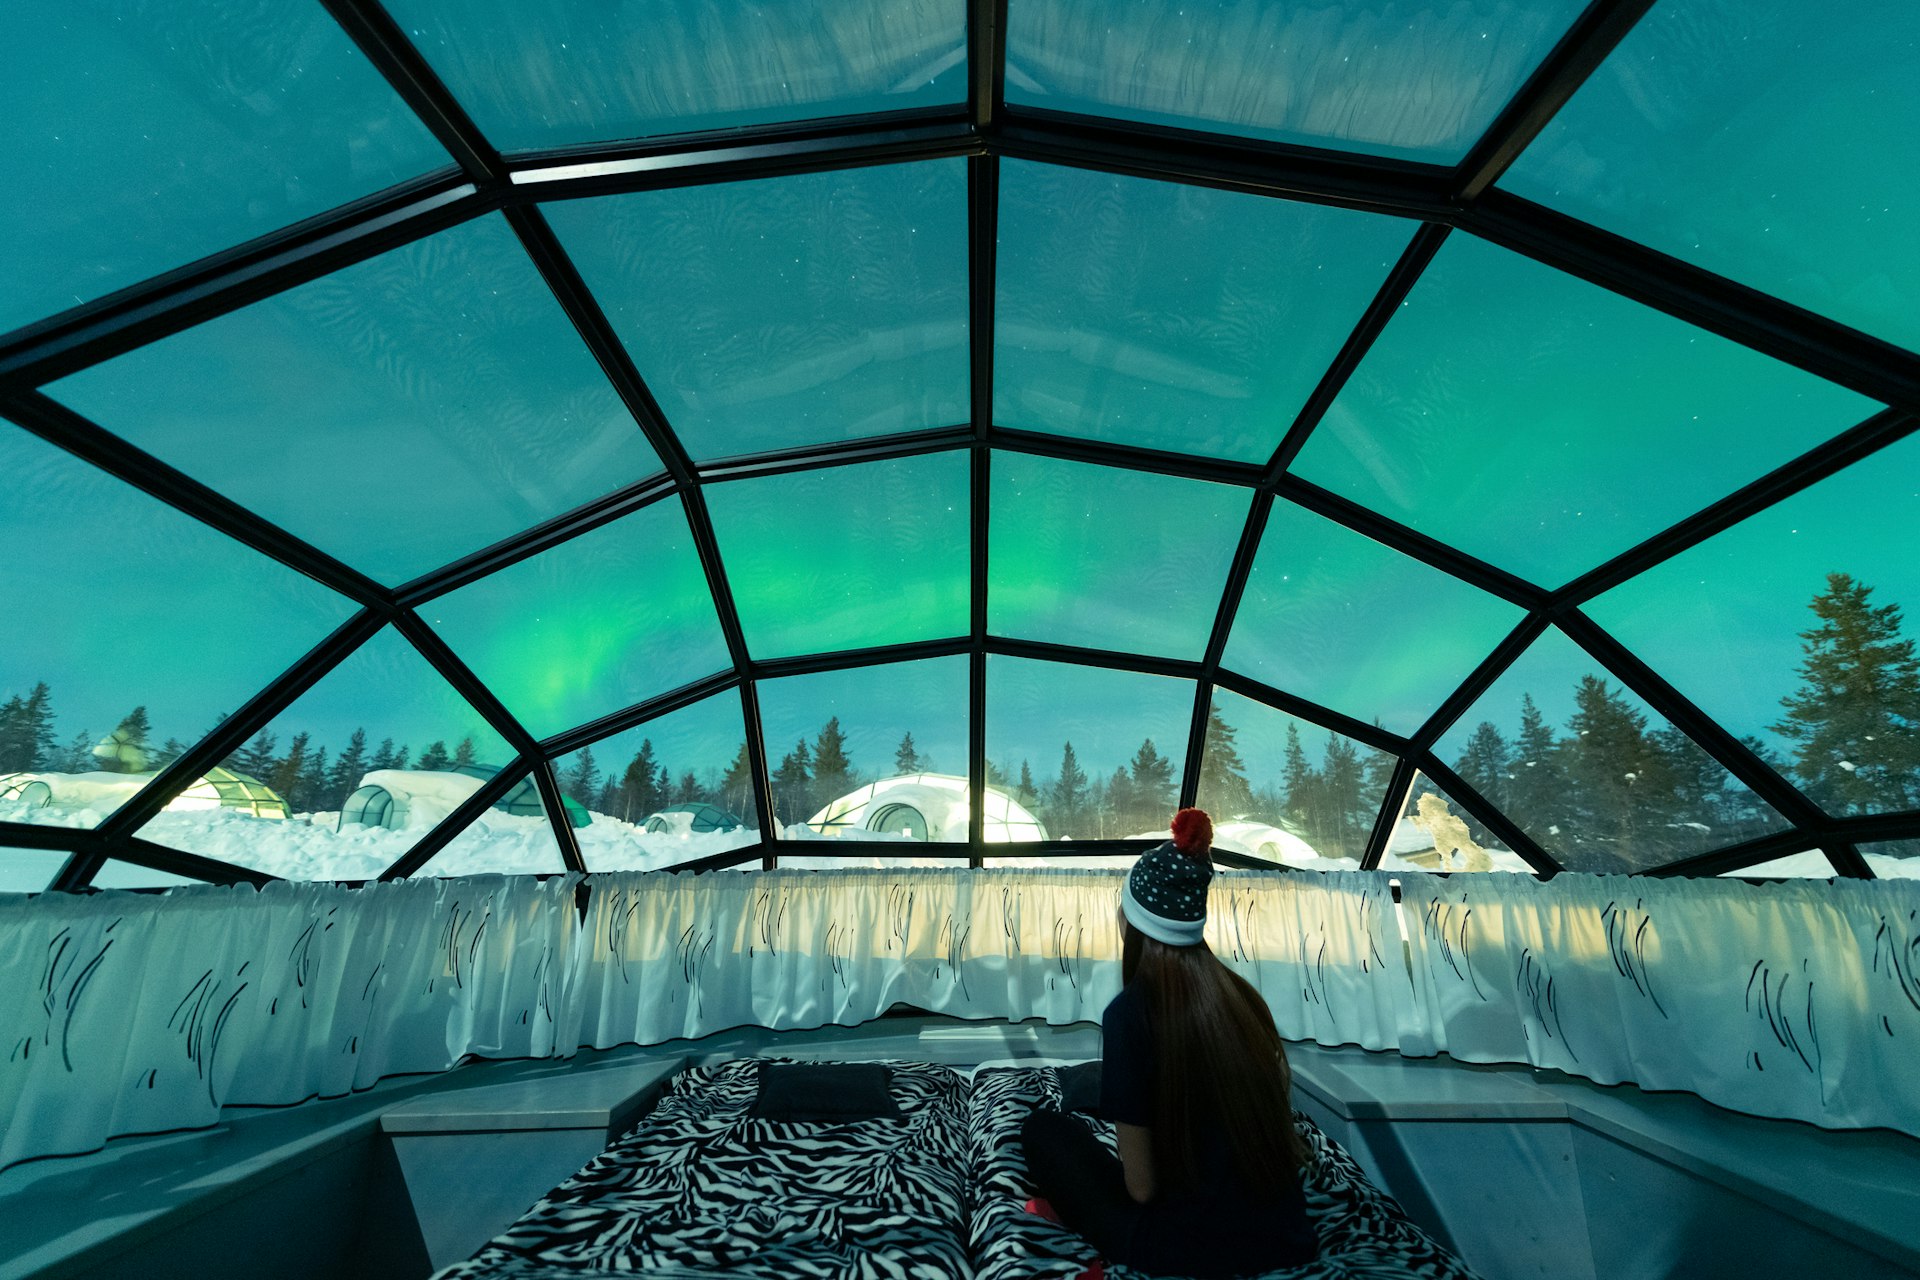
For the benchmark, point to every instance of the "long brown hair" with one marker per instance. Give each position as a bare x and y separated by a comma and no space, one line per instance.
1217,1057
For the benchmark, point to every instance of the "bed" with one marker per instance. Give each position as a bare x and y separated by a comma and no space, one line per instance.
1363,1233
702,1187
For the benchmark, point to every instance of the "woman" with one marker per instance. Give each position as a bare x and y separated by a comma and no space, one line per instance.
1195,1081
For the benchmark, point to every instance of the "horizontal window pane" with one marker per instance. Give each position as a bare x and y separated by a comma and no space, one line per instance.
1760,141
152,135
398,414
29,870
875,753
1336,618
1283,789
1172,316
665,792
1435,833
1545,424
1107,558
1419,81
145,628
115,874
342,783
1092,754
558,72
1790,629
788,311
513,838
1893,859
1810,865
1601,781
592,626
847,557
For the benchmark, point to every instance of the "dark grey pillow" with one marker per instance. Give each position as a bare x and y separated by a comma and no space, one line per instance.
825,1092
1080,1087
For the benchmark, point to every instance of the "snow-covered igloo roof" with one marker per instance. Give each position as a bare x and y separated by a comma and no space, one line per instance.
1304,411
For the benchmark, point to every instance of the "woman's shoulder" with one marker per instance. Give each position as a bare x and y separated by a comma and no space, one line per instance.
1125,1012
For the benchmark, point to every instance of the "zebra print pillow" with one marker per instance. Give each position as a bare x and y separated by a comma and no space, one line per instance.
1363,1234
702,1188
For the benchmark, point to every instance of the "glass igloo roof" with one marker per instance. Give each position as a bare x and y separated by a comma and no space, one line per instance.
516,437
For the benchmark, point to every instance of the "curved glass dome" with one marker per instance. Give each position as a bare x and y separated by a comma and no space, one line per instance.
1491,455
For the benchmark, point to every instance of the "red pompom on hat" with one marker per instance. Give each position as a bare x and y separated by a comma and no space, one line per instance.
1192,832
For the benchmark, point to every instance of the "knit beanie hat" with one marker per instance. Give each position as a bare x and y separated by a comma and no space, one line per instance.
1166,892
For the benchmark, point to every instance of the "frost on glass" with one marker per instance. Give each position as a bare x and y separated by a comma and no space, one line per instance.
133,630
29,870
363,765
1108,558
847,557
146,136
1093,754
1792,630
873,753
1893,859
1600,781
1336,618
1436,833
559,72
398,414
1283,789
1170,316
1546,425
664,792
1810,864
591,627
1417,81
1769,141
788,311
513,838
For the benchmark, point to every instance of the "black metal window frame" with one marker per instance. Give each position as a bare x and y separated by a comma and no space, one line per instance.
483,181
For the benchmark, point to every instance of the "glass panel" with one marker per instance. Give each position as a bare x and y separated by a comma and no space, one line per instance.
513,838
612,618
1285,790
1339,619
1893,859
563,71
1545,424
1810,865
1760,141
362,766
1419,81
1093,754
876,753
664,792
788,311
115,874
135,630
1434,832
1767,627
29,870
1107,558
1170,316
1619,790
152,135
847,557
398,414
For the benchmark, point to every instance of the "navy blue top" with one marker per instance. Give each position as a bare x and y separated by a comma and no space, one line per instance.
1220,1214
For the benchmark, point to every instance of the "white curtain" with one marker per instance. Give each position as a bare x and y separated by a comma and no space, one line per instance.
130,1013
1799,1000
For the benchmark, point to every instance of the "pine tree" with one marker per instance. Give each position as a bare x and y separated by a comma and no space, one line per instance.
905,759
348,768
607,799
1024,791
382,758
463,754
127,750
256,759
1379,770
1855,720
289,769
1121,803
581,779
1223,774
793,786
1070,792
400,757
78,754
313,784
736,785
1487,763
1537,792
833,772
1297,778
1152,788
639,798
1346,820
16,752
1618,787
435,757
689,791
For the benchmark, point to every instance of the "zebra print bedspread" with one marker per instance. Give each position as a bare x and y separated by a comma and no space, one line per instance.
702,1189
1363,1233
